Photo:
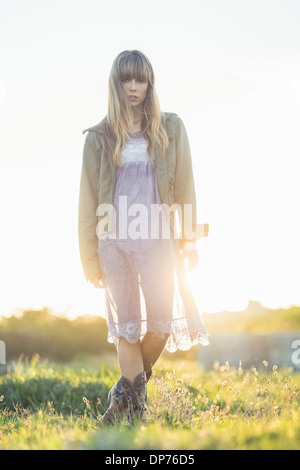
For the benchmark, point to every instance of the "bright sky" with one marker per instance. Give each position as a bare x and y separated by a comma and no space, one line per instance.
230,69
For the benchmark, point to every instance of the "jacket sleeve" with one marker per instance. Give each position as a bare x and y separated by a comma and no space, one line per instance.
184,185
88,203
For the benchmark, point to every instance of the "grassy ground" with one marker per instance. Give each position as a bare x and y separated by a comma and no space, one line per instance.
47,406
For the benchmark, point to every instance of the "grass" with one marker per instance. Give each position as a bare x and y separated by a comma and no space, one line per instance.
49,406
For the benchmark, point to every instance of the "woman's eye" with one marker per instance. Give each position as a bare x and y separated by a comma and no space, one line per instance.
127,80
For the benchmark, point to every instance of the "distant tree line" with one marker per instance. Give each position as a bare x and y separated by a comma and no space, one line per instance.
53,337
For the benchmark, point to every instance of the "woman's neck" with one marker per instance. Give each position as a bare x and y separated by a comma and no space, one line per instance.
136,121
136,126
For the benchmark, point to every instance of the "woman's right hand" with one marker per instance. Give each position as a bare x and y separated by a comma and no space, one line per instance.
97,282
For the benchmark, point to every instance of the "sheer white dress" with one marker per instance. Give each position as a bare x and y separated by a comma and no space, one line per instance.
145,288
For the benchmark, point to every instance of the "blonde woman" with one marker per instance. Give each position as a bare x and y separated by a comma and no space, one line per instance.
136,176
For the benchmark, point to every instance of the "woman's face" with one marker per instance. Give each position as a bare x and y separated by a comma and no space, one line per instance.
135,91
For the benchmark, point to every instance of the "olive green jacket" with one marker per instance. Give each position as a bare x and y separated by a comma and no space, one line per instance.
175,182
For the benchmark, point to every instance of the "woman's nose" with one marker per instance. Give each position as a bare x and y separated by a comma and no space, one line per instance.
132,85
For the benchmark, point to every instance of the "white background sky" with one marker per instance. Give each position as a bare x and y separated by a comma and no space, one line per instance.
229,68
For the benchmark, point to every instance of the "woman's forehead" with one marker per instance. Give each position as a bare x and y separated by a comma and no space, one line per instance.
133,67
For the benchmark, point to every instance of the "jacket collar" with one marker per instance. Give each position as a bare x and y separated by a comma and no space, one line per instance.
98,127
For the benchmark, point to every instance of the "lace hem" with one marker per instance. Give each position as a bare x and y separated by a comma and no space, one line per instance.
183,332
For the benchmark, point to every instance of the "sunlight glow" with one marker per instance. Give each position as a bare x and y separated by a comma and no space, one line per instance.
238,96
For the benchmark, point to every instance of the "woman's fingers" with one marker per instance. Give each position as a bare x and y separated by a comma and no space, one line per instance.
98,283
192,259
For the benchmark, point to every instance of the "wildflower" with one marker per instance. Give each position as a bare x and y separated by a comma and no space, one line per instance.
204,399
274,368
86,402
265,363
246,380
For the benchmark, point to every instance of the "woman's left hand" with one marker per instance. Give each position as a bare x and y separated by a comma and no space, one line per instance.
190,258
98,283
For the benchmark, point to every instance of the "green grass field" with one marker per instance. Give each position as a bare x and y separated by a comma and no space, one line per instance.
48,406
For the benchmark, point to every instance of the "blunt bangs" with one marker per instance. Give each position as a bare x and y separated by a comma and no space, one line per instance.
133,65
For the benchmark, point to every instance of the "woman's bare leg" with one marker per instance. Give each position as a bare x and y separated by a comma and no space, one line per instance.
130,359
152,347
143,355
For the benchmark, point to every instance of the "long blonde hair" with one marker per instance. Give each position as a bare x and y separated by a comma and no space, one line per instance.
128,65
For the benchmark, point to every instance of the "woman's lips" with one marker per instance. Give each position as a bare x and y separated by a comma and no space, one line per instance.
133,98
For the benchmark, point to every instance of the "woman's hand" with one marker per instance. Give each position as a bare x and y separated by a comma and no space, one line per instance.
97,282
190,258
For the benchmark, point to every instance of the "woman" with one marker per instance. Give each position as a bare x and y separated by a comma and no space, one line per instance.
136,176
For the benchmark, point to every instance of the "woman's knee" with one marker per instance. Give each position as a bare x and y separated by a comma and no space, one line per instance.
125,343
154,338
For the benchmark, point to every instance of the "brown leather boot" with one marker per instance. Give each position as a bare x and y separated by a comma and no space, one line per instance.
118,403
138,407
129,398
